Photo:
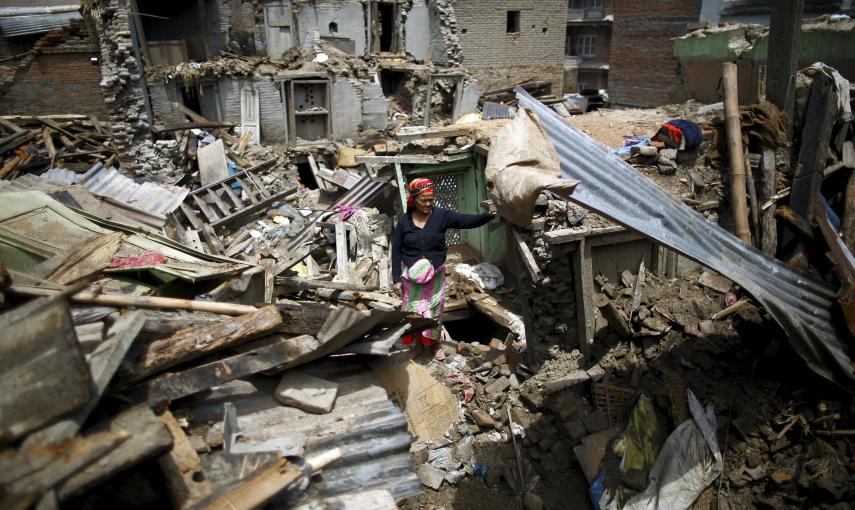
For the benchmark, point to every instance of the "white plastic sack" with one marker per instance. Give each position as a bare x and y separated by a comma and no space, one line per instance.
688,463
523,163
486,275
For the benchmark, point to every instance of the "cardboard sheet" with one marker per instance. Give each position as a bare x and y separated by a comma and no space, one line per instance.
431,409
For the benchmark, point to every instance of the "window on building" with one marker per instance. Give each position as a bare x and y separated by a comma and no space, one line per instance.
586,45
513,22
568,42
585,4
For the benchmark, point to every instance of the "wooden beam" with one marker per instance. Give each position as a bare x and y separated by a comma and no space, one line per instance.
148,437
566,235
260,488
423,133
269,353
194,343
182,468
816,135
141,301
390,160
785,28
583,279
26,474
527,257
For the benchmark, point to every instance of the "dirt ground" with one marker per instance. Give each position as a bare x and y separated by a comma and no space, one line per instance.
612,126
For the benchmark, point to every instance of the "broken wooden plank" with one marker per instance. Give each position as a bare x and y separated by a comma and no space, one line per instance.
86,258
268,354
527,257
182,469
616,318
260,488
566,235
638,289
193,343
303,283
26,475
488,305
43,374
148,437
303,317
103,363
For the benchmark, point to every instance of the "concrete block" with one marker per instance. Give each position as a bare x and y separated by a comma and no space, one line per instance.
567,381
430,476
576,429
499,385
668,154
309,393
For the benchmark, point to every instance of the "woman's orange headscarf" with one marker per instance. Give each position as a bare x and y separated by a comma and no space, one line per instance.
417,187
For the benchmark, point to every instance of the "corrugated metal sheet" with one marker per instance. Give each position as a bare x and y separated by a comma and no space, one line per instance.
153,198
16,26
368,428
804,308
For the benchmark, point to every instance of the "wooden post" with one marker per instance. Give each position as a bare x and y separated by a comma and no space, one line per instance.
784,37
402,185
848,229
768,225
734,150
342,273
583,278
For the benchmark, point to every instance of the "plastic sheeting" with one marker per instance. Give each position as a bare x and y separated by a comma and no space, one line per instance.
803,307
689,461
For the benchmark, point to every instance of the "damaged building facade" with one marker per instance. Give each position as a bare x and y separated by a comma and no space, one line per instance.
256,82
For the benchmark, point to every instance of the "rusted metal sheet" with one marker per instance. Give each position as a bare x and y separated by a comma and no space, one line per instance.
804,308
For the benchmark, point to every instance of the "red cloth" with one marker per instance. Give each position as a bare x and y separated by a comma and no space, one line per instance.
149,258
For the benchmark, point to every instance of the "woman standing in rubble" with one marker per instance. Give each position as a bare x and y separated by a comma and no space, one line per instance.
418,257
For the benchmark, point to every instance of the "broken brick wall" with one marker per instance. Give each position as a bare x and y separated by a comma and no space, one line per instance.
499,58
58,76
123,87
550,306
643,70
